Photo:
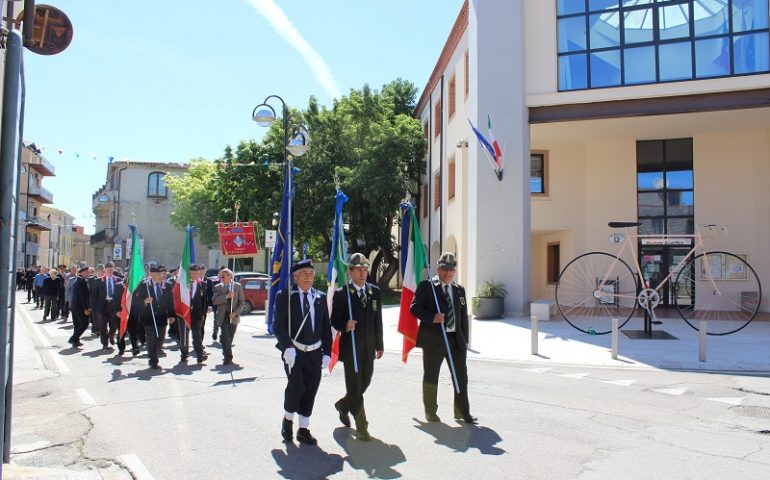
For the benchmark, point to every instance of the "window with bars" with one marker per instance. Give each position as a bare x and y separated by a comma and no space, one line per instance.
436,190
608,43
437,119
451,178
452,90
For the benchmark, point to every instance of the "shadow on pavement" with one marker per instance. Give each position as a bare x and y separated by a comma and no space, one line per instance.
374,457
143,375
463,437
100,352
304,462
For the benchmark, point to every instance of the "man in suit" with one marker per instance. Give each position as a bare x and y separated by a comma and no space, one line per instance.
81,306
228,297
452,316
104,305
93,280
153,312
197,314
208,285
357,307
304,337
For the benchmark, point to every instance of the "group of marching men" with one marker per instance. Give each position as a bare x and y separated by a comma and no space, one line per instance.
94,297
303,328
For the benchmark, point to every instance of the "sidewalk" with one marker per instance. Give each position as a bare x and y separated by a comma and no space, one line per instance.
508,339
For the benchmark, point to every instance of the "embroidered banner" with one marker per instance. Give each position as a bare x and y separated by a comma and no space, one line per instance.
238,239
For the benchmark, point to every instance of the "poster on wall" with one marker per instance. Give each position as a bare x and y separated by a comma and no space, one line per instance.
238,239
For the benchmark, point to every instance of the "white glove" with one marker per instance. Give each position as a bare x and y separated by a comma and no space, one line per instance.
289,356
325,362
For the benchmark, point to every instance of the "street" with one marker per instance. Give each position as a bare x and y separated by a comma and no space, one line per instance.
106,415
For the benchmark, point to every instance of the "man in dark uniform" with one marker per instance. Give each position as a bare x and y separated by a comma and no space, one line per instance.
304,337
208,285
451,315
93,279
364,317
153,314
104,305
81,307
197,314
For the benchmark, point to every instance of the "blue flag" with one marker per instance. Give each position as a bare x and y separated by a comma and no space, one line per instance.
190,231
280,277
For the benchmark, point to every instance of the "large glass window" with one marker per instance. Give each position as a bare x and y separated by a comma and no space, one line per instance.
606,43
156,186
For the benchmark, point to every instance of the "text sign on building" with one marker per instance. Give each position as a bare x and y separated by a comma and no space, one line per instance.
117,252
666,241
270,238
238,239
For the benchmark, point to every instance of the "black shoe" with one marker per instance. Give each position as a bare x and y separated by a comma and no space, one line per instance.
44,320
112,340
432,417
185,357
287,430
304,436
135,351
105,347
470,419
203,358
228,361
214,336
155,366
344,417
363,435
121,352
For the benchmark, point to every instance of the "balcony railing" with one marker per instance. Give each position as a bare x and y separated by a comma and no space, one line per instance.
43,166
32,248
34,223
102,236
40,194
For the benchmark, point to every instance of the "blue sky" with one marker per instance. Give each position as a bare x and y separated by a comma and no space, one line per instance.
173,80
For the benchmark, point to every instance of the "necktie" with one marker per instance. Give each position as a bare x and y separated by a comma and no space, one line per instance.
306,309
362,296
109,287
450,316
157,291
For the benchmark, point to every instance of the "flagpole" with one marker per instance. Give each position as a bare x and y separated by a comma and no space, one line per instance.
350,316
290,220
232,299
446,340
152,310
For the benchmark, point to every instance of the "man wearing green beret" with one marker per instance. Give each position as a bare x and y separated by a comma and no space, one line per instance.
357,307
440,304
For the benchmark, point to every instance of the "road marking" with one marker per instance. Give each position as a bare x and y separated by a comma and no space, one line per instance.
671,391
85,396
538,370
136,467
43,342
574,375
621,383
728,400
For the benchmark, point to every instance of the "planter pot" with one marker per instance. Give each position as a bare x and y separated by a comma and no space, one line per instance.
488,307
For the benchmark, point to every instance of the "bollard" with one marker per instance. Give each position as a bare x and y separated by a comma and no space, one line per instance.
702,335
533,332
614,338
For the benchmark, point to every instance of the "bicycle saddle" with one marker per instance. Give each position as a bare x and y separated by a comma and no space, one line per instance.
623,224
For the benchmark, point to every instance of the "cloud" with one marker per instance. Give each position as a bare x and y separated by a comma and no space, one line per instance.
283,26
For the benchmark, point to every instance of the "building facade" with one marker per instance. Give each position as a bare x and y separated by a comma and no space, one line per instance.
135,193
56,245
605,110
33,224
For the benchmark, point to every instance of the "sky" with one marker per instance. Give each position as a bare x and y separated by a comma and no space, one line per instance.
173,80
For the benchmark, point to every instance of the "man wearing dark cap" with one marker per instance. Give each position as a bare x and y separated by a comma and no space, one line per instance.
81,306
451,316
357,307
153,312
106,304
304,337
198,310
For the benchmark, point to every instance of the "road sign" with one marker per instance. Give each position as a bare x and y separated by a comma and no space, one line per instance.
117,251
270,238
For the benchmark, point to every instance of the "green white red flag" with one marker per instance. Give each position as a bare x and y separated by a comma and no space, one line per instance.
135,277
413,268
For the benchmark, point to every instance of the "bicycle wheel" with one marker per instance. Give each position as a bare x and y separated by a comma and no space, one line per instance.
728,303
586,303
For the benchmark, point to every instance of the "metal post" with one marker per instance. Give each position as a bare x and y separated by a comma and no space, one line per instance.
534,334
702,335
614,338
9,166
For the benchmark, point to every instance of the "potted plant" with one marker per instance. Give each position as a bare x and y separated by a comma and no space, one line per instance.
489,301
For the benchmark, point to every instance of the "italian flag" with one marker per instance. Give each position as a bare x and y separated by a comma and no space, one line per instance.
182,285
135,277
413,267
337,272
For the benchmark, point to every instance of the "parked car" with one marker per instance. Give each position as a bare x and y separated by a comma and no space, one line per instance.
254,293
238,276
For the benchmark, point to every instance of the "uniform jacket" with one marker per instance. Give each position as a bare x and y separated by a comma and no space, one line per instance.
100,296
80,296
369,318
308,335
198,302
111,310
157,306
424,308
219,298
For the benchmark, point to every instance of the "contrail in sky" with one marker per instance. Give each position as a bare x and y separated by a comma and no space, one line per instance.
281,23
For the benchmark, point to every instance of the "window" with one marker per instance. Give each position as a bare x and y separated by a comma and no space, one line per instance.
451,179
553,267
424,201
452,89
467,77
538,166
156,187
608,43
436,190
437,119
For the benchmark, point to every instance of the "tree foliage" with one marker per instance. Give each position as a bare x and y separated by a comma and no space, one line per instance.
368,138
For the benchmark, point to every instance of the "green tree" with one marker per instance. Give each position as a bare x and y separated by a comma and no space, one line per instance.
194,199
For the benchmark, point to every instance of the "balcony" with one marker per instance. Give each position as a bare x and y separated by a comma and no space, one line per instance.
39,225
42,166
40,194
103,202
102,236
32,248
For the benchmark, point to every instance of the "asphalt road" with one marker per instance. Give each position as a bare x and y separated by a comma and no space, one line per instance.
93,410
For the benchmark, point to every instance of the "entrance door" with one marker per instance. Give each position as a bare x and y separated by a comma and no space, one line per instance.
657,262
